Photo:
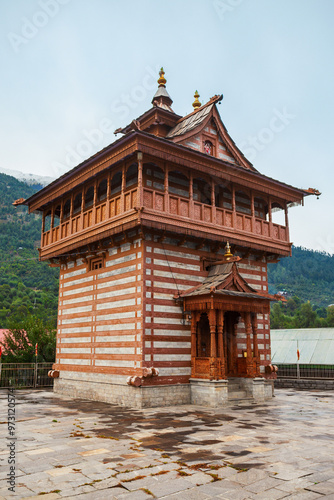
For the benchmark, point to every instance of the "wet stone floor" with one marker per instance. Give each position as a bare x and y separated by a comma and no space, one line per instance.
66,448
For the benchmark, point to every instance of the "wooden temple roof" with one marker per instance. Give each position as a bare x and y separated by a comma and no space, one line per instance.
139,136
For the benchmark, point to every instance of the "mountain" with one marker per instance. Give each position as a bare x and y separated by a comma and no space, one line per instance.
30,179
26,285
308,274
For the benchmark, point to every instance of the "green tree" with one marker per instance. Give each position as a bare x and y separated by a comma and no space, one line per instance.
305,316
330,316
20,341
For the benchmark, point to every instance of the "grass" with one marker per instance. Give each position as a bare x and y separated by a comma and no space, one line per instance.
182,473
107,437
48,492
133,479
147,491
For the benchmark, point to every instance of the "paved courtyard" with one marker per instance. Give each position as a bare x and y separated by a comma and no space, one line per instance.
80,449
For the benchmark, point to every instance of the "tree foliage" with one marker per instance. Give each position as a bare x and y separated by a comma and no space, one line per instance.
21,338
308,275
27,286
297,314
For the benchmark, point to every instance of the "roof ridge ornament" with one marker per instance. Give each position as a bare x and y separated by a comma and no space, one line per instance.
161,98
162,80
228,254
196,103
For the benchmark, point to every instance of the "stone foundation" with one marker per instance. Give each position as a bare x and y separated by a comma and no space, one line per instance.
114,390
305,384
211,393
96,387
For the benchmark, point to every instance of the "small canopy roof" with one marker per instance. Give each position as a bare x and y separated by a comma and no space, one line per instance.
225,279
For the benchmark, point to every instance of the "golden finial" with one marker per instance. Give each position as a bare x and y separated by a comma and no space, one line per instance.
228,254
196,103
162,80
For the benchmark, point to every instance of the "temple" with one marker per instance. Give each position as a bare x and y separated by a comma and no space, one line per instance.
163,240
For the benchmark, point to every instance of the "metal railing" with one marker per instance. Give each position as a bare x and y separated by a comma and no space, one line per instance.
25,375
299,371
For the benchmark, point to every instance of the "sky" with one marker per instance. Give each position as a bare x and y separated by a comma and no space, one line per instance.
75,70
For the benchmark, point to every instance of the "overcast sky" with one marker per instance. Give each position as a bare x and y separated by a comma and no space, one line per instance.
75,70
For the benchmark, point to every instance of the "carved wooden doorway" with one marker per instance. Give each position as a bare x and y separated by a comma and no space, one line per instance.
231,319
203,337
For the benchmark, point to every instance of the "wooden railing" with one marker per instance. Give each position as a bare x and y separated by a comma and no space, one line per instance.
95,215
201,212
169,204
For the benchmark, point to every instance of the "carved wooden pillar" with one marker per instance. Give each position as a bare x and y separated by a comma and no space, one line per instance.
255,344
193,329
81,225
287,238
61,220
253,211
213,202
94,203
108,196
52,223
140,194
220,330
234,347
43,222
233,205
213,348
166,186
43,229
191,195
61,215
123,189
249,359
270,217
71,215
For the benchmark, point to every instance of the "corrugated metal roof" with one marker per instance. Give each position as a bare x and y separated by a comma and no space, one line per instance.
316,346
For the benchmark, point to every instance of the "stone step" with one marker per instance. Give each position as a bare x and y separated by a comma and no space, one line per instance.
240,394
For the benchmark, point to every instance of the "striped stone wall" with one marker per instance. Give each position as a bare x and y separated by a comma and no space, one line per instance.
100,313
123,317
169,269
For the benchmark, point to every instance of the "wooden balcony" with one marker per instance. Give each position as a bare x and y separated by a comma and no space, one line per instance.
199,217
90,224
181,214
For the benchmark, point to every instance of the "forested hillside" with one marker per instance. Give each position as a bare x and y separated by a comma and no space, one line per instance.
307,274
26,285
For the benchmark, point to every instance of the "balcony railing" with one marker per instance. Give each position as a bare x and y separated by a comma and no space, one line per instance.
183,207
165,204
95,215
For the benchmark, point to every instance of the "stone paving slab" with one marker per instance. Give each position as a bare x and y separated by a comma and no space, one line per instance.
77,449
